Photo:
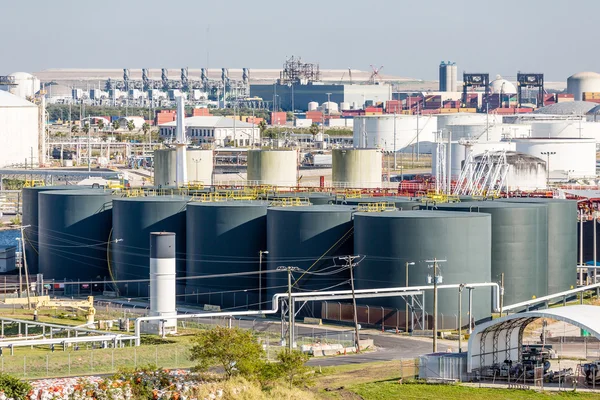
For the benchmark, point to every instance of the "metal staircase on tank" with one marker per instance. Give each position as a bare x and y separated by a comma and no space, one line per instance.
485,176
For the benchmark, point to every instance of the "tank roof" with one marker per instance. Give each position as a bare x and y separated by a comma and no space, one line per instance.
241,203
83,192
567,108
488,204
153,199
420,214
316,208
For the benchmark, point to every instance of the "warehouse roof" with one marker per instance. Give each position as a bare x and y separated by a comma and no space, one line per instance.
10,100
211,122
501,339
567,108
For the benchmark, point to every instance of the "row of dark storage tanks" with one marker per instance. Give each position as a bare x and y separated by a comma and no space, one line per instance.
91,235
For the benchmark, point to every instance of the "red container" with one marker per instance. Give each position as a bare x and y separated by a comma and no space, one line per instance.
278,118
200,112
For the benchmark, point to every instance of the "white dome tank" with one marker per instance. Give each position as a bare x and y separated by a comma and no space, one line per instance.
460,152
313,106
26,85
356,168
583,82
272,167
503,86
329,106
344,106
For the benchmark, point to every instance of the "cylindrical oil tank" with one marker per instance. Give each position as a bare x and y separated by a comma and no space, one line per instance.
460,151
315,198
134,219
389,240
569,157
377,131
272,167
313,106
482,132
519,246
310,238
566,129
344,106
31,221
562,241
356,168
199,164
444,120
401,203
222,238
583,82
74,229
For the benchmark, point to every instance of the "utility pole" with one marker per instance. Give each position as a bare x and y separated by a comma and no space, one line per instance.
460,290
405,301
435,262
349,262
25,265
289,270
260,278
501,293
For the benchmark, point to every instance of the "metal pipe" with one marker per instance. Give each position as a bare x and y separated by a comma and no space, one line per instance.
550,297
276,297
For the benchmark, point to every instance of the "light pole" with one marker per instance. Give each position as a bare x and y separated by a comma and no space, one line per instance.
328,105
197,161
406,305
436,276
260,278
290,305
20,265
395,150
460,290
548,154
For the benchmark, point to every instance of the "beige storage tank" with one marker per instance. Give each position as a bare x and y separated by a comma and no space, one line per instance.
199,165
357,168
272,167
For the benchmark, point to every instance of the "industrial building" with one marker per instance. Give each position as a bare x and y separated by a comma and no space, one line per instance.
19,130
216,131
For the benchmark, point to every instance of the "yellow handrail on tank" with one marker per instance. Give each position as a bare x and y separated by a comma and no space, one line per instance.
376,207
194,185
290,202
452,198
33,183
350,193
240,195
133,193
208,197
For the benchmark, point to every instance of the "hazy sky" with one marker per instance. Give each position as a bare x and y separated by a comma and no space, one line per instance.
410,38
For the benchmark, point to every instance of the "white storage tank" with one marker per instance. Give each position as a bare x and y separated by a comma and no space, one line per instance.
377,131
566,129
162,281
356,168
344,106
199,165
583,82
481,132
525,172
313,106
272,167
25,85
443,120
460,150
329,106
568,158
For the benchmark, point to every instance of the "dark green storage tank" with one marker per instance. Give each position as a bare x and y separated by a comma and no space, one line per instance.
519,246
562,241
133,221
388,240
403,203
223,238
74,228
30,217
311,238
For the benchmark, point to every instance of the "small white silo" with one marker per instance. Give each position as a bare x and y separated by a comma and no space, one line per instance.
162,281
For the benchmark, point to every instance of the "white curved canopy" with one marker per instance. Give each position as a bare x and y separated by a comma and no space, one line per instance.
501,339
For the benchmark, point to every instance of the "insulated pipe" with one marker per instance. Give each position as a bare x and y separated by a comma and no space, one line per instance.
276,297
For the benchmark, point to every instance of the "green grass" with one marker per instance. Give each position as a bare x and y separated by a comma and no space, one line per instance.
393,390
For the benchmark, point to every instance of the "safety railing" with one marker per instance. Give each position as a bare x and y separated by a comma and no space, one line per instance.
376,207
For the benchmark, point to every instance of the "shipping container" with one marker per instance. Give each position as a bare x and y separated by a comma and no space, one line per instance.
278,118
